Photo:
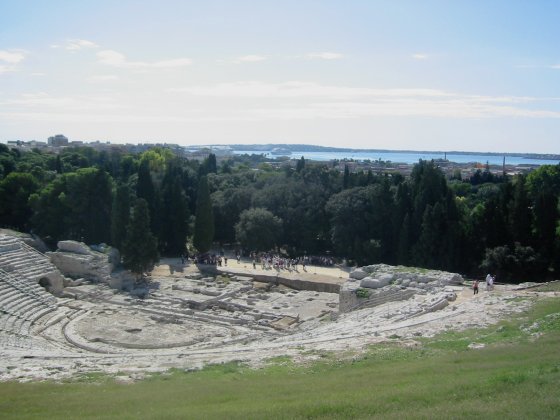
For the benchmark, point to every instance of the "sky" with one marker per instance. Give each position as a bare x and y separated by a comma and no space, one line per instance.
446,75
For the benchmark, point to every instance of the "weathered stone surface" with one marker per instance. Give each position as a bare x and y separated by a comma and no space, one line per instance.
91,267
358,274
122,280
35,242
381,282
73,247
77,260
26,264
372,283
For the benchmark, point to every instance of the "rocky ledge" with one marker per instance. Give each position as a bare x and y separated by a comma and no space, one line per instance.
374,285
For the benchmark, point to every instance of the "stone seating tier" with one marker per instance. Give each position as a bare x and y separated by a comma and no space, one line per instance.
39,294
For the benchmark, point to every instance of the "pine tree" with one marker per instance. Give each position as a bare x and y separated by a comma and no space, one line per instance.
139,251
204,222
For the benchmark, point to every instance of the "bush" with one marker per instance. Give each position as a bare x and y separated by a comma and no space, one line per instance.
362,293
514,264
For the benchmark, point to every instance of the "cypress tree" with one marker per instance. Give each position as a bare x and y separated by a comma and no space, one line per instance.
204,222
145,189
120,216
212,166
174,214
300,164
139,251
346,181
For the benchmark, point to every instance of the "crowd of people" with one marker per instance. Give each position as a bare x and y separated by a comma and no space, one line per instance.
266,260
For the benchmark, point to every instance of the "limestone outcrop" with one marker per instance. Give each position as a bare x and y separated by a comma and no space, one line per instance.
77,260
377,284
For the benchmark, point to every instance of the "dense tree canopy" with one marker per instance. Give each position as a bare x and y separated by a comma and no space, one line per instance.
15,190
258,229
510,225
204,222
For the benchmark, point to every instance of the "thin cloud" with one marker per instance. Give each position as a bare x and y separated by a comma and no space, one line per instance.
10,59
79,44
116,59
103,78
312,100
324,55
252,58
295,89
420,56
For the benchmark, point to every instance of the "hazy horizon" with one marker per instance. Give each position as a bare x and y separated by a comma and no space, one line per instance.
462,76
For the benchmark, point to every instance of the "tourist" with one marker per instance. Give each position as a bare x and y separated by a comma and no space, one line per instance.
475,287
488,281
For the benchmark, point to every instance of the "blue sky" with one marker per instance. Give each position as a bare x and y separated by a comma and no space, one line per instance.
424,75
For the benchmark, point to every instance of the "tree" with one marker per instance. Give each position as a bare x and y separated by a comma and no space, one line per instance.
350,233
300,164
346,181
51,211
514,263
228,203
543,185
145,189
174,213
520,213
258,229
209,166
89,197
204,222
120,216
15,190
139,251
76,206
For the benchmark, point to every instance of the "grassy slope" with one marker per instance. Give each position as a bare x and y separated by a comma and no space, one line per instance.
515,376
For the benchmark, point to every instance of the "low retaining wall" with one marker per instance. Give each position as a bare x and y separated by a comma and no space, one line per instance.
298,281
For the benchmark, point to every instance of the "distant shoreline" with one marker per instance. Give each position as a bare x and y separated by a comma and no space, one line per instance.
312,148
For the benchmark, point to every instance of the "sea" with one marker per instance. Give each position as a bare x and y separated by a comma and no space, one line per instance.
411,157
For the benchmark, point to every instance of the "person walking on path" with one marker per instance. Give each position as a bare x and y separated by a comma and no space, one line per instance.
488,281
475,287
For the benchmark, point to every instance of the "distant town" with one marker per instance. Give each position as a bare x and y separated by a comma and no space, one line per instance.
278,155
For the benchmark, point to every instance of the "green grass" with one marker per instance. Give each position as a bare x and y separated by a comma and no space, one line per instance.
550,287
517,375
